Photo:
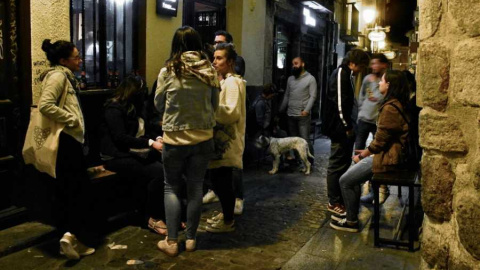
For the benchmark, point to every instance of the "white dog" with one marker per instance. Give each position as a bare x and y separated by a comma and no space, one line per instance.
278,146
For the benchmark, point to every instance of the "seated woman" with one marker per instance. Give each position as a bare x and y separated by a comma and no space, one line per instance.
387,148
127,150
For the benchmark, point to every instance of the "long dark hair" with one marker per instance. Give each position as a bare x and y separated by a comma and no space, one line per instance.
58,50
185,39
398,87
129,92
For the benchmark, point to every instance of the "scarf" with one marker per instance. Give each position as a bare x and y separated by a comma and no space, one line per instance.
70,76
195,66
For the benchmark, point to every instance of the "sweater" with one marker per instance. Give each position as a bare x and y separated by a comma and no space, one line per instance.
300,94
369,99
232,111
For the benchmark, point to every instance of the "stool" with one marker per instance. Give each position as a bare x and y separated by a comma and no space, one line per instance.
409,179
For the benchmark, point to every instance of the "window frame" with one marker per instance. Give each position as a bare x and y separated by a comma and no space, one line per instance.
100,54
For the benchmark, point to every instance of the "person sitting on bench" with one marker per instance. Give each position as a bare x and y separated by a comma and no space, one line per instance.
127,150
391,134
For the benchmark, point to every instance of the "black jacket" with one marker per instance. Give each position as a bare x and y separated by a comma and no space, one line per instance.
118,131
336,120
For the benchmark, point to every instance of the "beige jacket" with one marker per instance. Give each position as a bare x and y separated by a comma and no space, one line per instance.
54,83
232,111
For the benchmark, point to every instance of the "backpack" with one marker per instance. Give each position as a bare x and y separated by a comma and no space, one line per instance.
411,150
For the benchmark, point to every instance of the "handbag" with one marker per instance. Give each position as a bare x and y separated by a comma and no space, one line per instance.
41,141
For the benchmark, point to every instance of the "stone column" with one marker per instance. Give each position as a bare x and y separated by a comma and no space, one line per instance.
448,90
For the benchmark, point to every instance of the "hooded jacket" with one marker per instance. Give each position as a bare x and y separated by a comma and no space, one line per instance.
54,81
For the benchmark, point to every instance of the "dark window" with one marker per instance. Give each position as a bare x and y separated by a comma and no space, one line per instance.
103,32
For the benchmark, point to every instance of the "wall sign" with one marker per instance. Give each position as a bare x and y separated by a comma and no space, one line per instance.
167,7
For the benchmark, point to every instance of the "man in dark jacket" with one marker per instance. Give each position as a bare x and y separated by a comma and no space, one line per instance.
338,122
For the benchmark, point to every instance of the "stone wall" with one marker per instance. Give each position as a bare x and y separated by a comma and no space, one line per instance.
448,90
49,20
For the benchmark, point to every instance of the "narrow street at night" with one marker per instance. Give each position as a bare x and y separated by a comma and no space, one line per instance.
285,225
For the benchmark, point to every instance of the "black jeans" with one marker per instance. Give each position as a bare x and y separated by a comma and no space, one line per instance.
222,181
363,130
237,175
73,204
147,179
340,160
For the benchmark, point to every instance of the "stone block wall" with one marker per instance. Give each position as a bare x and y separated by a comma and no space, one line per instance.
449,92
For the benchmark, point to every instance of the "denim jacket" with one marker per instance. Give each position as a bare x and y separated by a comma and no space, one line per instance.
185,104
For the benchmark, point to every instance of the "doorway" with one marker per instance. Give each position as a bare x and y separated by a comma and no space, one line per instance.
206,16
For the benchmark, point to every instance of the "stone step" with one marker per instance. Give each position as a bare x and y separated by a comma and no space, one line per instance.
23,236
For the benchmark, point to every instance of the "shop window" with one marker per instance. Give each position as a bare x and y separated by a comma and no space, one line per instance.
103,32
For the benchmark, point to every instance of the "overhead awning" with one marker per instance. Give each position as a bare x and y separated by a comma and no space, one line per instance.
321,6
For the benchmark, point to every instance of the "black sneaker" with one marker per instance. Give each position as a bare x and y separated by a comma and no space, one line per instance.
344,225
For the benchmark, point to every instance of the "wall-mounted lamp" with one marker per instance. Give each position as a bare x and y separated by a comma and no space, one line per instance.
369,15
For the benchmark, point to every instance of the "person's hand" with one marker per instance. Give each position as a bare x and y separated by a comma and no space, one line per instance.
160,139
157,146
360,154
304,113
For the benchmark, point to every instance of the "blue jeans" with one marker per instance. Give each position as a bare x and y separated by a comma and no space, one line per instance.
350,183
190,161
299,126
363,130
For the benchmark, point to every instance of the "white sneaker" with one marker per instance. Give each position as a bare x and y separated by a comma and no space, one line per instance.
384,193
365,189
215,219
72,248
238,206
210,197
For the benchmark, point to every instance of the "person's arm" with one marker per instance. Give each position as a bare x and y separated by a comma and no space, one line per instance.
312,91
346,97
231,111
114,118
363,95
53,88
286,96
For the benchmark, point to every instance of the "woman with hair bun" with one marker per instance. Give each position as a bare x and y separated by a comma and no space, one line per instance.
72,180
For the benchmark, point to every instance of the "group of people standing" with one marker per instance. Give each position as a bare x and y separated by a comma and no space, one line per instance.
167,155
379,110
196,98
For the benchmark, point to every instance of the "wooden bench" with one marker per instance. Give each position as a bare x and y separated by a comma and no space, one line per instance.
99,173
410,179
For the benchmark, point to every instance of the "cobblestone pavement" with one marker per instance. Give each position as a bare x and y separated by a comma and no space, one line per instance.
282,212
